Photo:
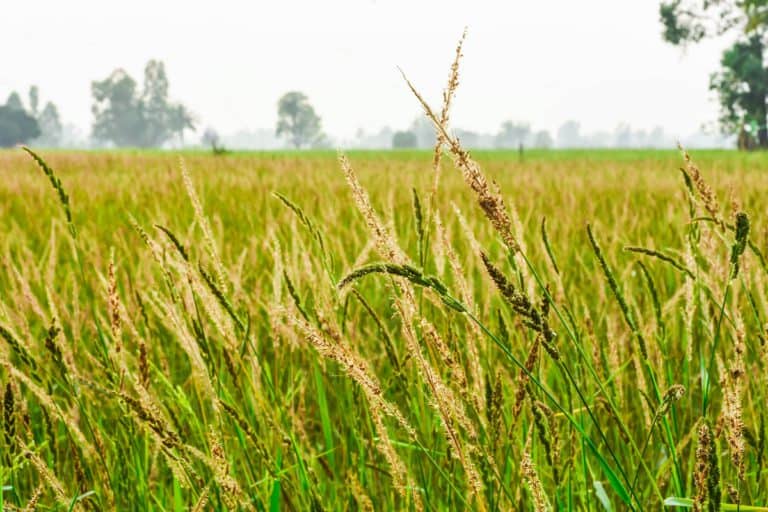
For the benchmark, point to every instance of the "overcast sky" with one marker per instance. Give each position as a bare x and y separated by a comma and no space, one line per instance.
598,61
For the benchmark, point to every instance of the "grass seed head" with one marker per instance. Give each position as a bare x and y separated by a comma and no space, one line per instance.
9,418
533,482
702,468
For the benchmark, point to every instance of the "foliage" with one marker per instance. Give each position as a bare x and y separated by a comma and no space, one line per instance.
16,125
404,140
34,100
424,132
18,128
50,126
125,116
542,139
211,138
690,21
297,120
14,101
742,87
512,134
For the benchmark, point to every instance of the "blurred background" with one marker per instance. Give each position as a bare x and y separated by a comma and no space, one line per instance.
272,75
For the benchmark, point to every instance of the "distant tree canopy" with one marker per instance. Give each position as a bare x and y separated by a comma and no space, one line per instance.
569,134
421,134
297,120
34,99
741,84
404,140
14,101
48,120
17,126
125,116
424,131
50,126
512,134
542,139
211,138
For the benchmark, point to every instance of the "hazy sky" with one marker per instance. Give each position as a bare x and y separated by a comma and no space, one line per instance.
597,61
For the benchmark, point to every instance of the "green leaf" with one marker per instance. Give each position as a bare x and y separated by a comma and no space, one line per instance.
78,499
274,498
325,416
613,480
178,500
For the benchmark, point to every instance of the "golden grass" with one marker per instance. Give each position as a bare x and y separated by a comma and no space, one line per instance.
301,332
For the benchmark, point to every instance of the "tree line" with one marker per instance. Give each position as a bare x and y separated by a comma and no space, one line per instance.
20,124
128,115
513,134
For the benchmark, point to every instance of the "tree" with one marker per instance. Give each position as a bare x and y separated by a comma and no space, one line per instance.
568,135
153,105
404,140
690,21
180,120
116,114
211,138
542,139
424,131
14,101
512,134
297,120
468,138
36,127
126,117
741,84
34,100
48,120
16,126
622,136
50,126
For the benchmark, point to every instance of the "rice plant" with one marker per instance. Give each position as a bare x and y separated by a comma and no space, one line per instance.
383,331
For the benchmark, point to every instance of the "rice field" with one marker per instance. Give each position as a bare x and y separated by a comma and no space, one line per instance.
303,331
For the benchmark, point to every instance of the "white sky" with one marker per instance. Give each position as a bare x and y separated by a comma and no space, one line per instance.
544,61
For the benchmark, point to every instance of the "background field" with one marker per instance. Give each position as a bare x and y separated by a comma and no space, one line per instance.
243,384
